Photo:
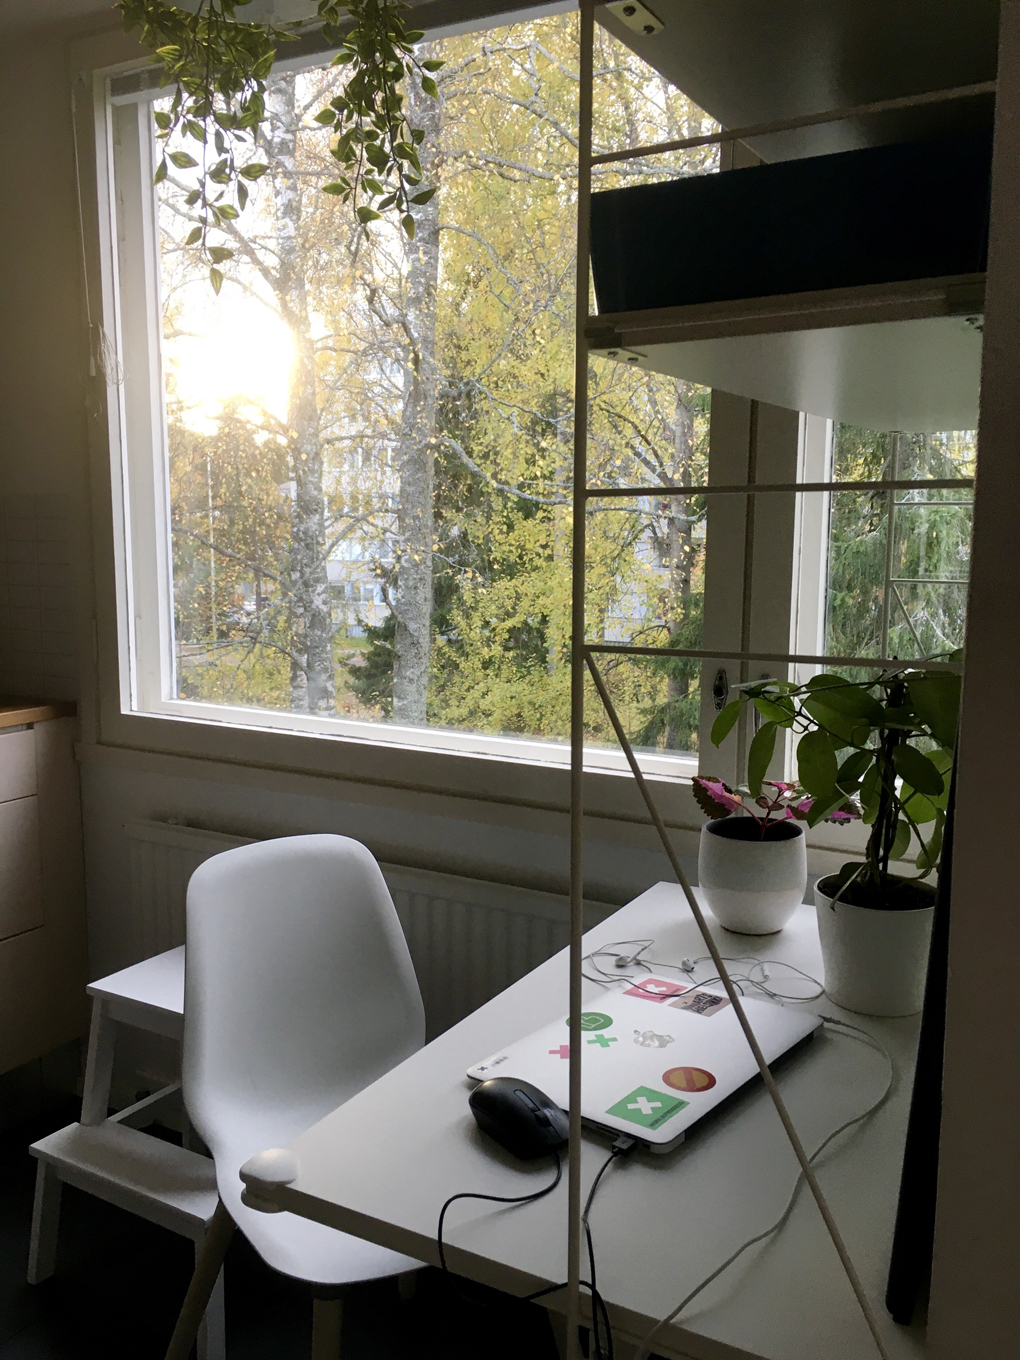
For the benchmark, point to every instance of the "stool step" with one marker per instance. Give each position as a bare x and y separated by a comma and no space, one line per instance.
159,1181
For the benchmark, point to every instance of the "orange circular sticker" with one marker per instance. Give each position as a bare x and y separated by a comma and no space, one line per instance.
689,1079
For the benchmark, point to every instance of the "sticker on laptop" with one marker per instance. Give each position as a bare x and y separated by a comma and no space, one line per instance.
688,1079
647,1107
701,1003
602,1040
562,1052
493,1062
647,1038
654,989
594,1020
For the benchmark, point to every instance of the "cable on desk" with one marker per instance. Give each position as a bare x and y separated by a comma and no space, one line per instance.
496,1199
855,1032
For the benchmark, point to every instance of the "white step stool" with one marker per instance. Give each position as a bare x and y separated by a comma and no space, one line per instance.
169,1185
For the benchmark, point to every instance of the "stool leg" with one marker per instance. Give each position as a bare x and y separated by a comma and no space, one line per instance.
95,1102
42,1251
203,1283
327,1318
212,1334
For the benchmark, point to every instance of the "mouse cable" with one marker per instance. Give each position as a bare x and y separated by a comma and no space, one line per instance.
496,1199
852,1032
620,1148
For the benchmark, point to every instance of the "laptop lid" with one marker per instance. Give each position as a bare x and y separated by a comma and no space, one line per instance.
655,1058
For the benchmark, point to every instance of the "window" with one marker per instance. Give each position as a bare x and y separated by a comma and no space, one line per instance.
346,477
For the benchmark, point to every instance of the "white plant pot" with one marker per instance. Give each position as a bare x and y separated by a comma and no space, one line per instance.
875,961
752,886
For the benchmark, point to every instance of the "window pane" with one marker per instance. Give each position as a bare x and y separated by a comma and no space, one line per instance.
370,438
899,592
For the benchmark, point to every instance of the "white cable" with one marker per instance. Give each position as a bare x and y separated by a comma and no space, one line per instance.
861,1035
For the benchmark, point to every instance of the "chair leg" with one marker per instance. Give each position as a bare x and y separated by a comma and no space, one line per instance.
203,1283
42,1251
95,1101
327,1318
212,1334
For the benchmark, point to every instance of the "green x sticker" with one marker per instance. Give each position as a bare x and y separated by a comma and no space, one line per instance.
647,1107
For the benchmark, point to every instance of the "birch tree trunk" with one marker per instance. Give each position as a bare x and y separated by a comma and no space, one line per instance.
412,602
312,683
680,546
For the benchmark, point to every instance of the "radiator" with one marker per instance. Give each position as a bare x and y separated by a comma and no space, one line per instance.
468,939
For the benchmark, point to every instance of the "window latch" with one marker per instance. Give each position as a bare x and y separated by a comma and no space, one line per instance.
720,690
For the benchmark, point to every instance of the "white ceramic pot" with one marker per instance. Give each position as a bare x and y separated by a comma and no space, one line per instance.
753,886
875,961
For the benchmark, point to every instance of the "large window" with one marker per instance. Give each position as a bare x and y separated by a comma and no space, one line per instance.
347,475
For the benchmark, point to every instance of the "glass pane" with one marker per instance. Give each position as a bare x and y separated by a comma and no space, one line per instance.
657,699
900,594
370,438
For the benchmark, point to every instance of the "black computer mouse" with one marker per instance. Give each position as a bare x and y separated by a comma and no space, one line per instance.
519,1116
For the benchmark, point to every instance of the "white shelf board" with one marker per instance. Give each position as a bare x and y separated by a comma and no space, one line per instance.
901,356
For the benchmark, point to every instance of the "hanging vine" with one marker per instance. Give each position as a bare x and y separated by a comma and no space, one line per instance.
219,65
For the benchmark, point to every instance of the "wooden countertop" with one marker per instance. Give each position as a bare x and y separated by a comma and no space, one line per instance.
18,712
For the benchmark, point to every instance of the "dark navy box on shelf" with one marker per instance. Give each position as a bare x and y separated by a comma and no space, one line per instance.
912,210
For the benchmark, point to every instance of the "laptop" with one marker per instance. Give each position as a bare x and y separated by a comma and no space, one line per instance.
656,1056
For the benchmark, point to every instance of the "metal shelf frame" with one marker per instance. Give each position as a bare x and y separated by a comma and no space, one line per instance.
595,333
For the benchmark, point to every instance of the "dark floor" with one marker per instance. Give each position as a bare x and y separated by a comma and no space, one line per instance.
120,1282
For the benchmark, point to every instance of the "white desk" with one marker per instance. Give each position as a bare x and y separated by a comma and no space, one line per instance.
382,1165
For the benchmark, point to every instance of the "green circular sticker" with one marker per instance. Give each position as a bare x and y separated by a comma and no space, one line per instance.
595,1020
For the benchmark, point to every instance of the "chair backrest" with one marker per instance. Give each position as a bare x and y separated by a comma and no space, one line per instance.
299,989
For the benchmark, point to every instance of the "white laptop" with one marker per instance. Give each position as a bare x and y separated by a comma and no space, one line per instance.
656,1056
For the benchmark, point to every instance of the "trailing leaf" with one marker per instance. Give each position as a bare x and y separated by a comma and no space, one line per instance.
759,756
914,767
715,798
817,765
723,725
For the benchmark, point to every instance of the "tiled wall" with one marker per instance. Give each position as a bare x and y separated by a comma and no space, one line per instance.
37,643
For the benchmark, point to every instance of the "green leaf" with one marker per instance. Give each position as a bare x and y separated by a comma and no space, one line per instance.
407,222
433,65
333,188
182,160
227,212
928,857
915,769
936,697
242,196
759,756
778,712
195,234
161,172
163,120
220,253
254,171
870,794
850,701
723,725
424,196
366,215
216,279
429,86
901,844
326,117
816,764
193,197
852,771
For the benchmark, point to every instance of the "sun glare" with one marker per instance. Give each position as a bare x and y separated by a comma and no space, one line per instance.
224,347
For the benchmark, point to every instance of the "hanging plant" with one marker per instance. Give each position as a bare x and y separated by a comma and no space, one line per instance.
219,65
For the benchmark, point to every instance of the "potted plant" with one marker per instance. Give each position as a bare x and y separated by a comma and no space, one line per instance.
880,750
752,868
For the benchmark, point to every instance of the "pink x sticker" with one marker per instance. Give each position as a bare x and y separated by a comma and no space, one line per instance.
654,989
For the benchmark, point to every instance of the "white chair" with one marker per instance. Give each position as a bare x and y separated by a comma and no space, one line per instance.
107,1156
299,992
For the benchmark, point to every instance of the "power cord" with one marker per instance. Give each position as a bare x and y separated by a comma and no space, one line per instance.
757,976
599,1312
855,1032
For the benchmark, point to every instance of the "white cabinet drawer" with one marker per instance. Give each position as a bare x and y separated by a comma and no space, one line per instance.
17,764
24,997
20,876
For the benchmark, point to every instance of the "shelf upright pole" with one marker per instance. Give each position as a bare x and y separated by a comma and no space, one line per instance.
586,43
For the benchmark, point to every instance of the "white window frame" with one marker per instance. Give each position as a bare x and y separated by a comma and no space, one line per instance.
146,682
